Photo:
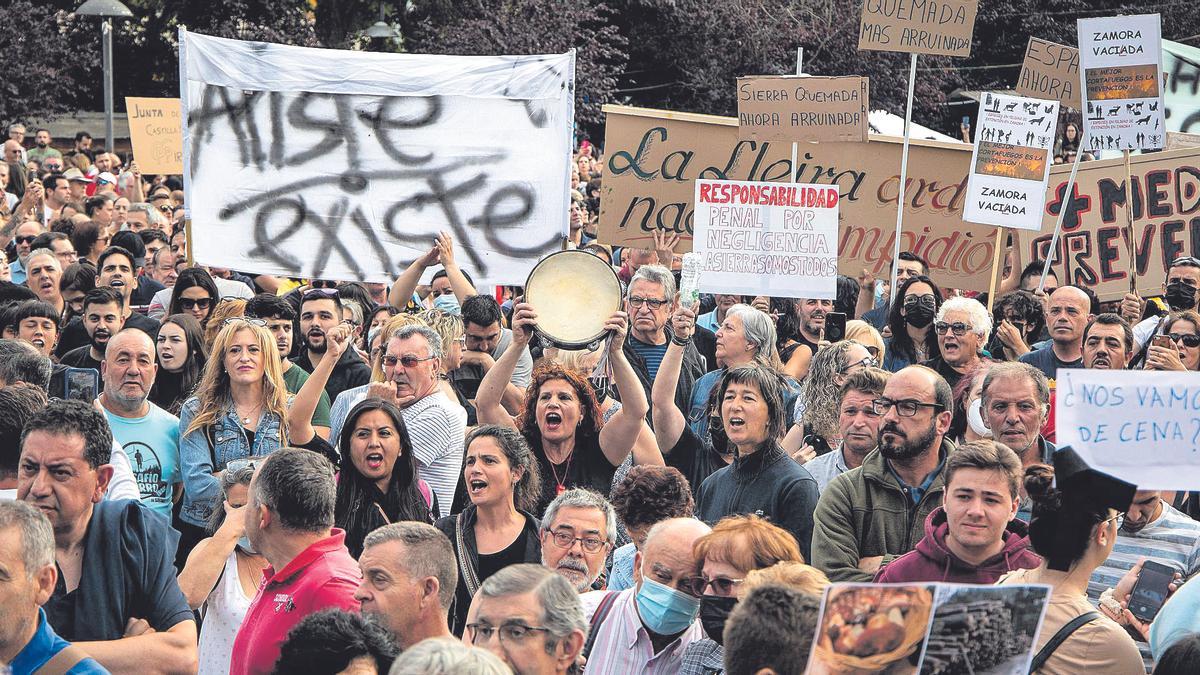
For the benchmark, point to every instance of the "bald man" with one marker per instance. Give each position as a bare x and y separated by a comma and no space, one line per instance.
1067,315
648,627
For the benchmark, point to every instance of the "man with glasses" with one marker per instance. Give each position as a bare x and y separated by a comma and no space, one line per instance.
23,238
858,426
60,243
409,574
578,530
530,618
486,341
872,514
1179,292
1067,316
650,303
647,628
320,312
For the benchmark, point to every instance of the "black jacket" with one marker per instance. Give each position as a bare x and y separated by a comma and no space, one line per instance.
694,365
766,483
349,372
448,526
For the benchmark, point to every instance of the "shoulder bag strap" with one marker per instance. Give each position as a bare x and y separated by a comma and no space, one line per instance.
62,662
598,618
1060,637
470,578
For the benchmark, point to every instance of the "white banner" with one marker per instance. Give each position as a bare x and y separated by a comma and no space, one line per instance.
1011,162
345,165
775,239
1142,426
1120,66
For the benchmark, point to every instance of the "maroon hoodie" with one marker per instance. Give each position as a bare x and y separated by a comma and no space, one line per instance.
932,560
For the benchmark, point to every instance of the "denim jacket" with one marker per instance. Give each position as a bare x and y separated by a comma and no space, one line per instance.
201,490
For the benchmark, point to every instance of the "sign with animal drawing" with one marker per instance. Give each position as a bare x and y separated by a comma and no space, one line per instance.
1011,163
1120,59
346,165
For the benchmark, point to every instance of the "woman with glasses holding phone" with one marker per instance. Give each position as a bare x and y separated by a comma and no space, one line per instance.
194,293
223,572
497,528
736,546
182,355
1182,329
560,418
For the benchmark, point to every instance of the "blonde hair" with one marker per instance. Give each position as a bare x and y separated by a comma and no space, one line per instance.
795,575
447,325
226,308
865,334
213,392
385,335
573,359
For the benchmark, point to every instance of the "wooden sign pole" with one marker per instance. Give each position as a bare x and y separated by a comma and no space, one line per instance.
912,78
998,246
795,146
1129,219
1062,212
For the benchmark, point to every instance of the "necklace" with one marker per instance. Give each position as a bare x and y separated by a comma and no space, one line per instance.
561,488
249,417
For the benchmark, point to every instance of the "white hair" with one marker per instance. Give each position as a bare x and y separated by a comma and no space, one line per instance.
981,321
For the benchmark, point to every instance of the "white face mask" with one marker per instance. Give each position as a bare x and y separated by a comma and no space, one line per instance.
975,419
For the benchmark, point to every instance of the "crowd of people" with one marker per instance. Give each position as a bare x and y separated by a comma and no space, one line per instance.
209,470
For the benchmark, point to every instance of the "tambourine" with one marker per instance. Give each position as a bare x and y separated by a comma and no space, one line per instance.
574,293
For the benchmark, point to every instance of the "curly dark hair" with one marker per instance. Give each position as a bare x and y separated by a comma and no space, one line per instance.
787,326
649,494
328,640
901,343
590,418
528,488
1023,306
66,418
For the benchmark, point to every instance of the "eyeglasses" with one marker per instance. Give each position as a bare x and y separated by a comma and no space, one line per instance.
1120,518
567,540
23,239
239,465
958,328
481,633
652,303
904,408
194,303
408,361
868,362
1189,340
244,319
721,585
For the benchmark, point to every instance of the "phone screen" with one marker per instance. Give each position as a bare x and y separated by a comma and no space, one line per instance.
835,326
83,384
1150,592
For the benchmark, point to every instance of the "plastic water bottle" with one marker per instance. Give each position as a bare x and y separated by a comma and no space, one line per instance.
689,280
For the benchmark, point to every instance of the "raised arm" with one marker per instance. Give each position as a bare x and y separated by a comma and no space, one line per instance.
407,282
669,420
136,195
300,414
458,281
497,380
206,562
866,293
621,432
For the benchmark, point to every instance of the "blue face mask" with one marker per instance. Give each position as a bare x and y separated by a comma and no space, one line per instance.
447,303
245,545
665,610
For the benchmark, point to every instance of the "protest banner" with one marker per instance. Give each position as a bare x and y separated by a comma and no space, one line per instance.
767,238
155,134
653,158
1050,71
1092,251
1141,426
822,109
345,165
1011,161
1177,140
942,28
1120,62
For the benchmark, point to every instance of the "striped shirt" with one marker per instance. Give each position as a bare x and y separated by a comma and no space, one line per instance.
651,354
623,645
1173,540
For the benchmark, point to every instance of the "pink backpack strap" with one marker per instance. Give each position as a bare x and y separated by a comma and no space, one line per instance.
425,492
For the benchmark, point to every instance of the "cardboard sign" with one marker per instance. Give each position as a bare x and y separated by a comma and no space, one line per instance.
1050,71
1117,420
767,238
154,132
942,28
776,108
1092,250
1177,140
653,158
345,165
1120,72
1011,162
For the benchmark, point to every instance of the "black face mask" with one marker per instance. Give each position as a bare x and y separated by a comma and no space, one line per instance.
714,611
1180,296
920,310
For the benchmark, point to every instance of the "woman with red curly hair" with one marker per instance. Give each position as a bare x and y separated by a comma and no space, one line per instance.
561,419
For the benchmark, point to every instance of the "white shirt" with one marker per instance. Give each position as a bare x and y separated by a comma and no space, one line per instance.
223,612
1144,330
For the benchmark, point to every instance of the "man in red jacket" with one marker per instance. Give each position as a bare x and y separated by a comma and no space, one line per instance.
975,536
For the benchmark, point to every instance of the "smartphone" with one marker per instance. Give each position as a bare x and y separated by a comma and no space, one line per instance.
1162,341
966,120
835,326
81,384
1150,591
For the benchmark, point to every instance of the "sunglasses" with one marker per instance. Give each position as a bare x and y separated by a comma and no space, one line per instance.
24,239
241,465
1187,339
194,303
721,586
321,293
318,284
244,319
408,361
958,328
